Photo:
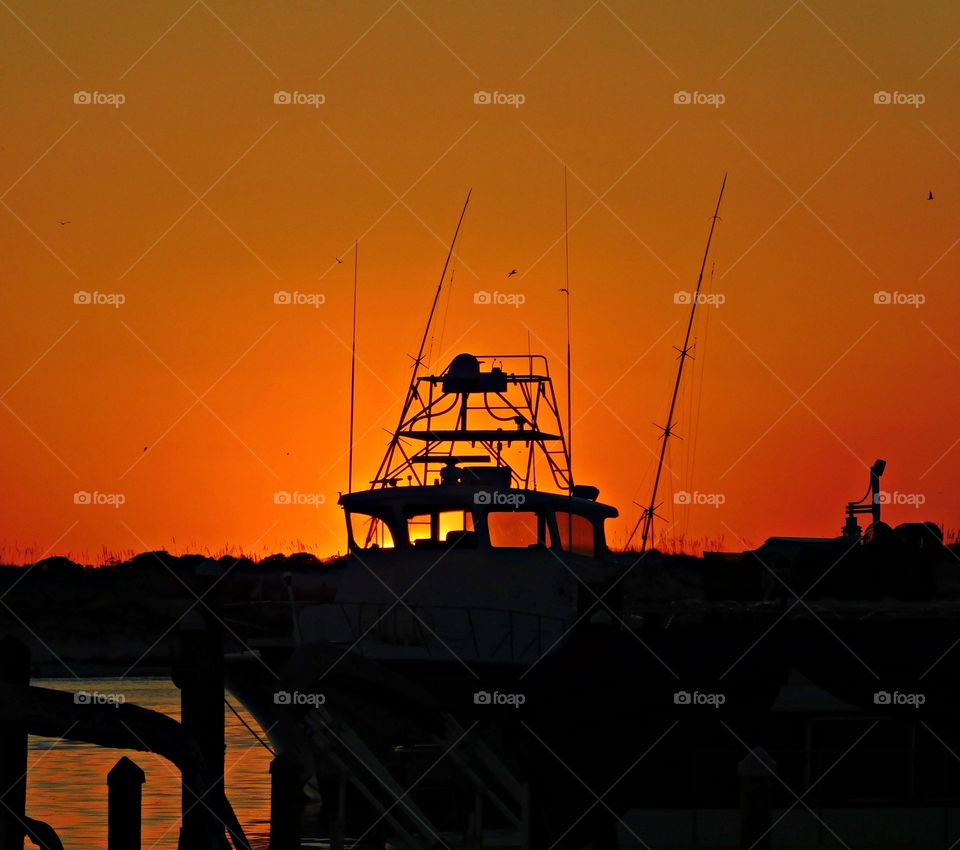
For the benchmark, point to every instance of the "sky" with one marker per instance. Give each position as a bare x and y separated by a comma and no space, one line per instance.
208,158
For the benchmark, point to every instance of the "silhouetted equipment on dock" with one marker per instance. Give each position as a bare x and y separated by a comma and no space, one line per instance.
868,504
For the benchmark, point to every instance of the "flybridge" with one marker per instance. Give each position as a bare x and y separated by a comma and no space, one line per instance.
491,419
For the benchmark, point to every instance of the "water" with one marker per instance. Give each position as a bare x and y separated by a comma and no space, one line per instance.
67,781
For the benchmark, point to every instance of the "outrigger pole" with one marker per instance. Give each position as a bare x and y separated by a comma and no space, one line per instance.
380,479
418,362
566,260
646,517
353,363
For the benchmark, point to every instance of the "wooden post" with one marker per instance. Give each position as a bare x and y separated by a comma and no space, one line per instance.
198,673
286,802
14,670
125,782
756,786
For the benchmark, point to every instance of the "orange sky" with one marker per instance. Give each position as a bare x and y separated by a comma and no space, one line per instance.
199,197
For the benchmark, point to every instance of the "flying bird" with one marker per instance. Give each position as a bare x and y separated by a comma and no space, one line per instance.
61,223
338,259
511,273
564,289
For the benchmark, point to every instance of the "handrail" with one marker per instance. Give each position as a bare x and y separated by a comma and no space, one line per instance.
426,638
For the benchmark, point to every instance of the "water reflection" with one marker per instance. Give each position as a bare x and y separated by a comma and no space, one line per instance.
67,781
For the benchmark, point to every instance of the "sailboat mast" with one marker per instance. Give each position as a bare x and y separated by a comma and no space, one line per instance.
646,518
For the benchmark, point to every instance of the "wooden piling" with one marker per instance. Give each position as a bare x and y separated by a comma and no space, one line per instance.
125,782
756,773
286,802
198,673
14,670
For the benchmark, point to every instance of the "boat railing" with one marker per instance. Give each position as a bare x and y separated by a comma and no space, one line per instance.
439,630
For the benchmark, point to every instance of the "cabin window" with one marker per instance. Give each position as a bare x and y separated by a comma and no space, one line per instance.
370,532
576,534
441,528
516,529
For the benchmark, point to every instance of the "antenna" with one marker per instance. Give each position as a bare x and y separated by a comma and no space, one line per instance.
646,517
353,363
566,262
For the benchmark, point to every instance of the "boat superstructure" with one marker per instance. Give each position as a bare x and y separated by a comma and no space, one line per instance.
455,524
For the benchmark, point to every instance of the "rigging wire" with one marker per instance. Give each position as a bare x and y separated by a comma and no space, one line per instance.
446,311
249,728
